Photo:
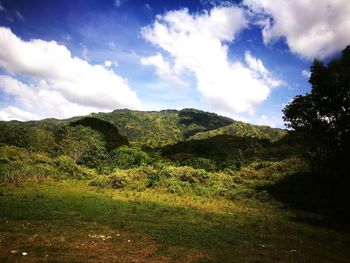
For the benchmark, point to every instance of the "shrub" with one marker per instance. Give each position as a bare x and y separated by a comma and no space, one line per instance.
19,172
172,186
199,163
100,181
153,179
70,169
13,153
273,171
117,182
187,174
126,157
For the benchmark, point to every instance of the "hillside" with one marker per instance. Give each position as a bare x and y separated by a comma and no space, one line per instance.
154,128
191,186
242,129
164,127
172,126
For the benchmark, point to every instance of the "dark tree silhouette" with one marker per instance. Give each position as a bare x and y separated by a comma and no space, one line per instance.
323,115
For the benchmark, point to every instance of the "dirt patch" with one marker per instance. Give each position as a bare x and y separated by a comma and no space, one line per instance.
23,241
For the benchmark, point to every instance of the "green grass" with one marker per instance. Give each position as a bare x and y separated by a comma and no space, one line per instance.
179,226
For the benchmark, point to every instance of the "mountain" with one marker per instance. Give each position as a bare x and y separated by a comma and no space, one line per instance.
161,128
110,133
242,129
152,128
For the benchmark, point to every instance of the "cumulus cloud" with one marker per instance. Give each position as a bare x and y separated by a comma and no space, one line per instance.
312,28
56,84
13,113
260,71
272,121
197,43
163,69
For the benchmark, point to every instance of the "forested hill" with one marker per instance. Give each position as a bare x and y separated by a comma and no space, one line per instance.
164,127
156,128
159,128
242,129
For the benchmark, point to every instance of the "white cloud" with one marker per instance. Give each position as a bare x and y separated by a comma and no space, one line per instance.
260,71
271,120
13,113
196,44
108,63
312,28
57,84
306,73
163,69
39,98
255,64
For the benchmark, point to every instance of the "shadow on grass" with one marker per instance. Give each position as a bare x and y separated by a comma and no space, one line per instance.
171,225
327,200
232,237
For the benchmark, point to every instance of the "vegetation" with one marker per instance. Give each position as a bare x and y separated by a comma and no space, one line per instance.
180,186
322,119
110,133
70,221
242,129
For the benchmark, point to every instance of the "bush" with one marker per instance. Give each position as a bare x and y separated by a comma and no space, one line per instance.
70,169
19,172
117,181
13,153
273,171
100,181
187,174
199,163
172,186
126,157
153,179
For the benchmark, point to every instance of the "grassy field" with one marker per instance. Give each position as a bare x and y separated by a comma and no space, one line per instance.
70,221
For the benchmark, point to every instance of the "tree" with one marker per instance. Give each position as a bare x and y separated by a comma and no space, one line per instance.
83,145
323,115
126,157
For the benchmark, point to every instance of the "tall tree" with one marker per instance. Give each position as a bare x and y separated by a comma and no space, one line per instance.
323,115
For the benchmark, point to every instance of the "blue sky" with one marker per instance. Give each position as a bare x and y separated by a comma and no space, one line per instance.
242,59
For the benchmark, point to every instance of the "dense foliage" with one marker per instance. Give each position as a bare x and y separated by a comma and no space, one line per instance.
321,119
166,127
322,116
242,129
197,153
110,132
180,159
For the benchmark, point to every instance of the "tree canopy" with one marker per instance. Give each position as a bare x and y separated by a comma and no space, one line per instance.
323,115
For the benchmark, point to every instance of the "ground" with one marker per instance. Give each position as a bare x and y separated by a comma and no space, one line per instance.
69,221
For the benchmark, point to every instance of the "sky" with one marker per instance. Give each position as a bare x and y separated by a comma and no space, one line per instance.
242,59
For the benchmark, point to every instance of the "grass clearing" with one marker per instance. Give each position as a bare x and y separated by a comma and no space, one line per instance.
161,227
